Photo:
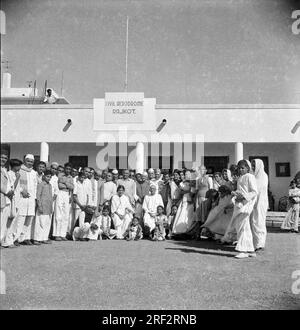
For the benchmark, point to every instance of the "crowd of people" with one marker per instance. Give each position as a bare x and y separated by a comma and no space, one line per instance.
59,203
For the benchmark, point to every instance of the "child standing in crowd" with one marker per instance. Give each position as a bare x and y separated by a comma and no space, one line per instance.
134,232
44,198
171,219
291,221
160,220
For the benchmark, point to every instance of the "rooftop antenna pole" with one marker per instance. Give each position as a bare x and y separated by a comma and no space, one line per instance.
45,91
126,56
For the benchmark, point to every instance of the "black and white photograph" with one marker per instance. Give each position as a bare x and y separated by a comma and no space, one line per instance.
150,158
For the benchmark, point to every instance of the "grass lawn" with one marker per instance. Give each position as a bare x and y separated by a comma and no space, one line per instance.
150,275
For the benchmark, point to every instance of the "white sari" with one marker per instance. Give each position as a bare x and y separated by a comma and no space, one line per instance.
240,221
122,206
185,214
259,214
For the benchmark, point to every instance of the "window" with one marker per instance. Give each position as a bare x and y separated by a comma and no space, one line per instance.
79,161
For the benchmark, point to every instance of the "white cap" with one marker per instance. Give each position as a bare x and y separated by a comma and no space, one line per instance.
114,171
29,156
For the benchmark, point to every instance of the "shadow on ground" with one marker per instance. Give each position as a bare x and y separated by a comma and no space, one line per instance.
205,247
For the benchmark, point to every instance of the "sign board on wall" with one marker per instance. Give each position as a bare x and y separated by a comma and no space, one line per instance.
124,108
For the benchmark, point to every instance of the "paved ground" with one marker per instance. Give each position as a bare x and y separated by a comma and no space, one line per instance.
150,275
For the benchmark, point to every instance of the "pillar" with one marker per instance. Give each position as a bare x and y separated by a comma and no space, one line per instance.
296,159
238,152
44,154
139,165
6,80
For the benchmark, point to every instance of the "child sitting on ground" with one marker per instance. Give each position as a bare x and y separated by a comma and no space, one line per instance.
105,225
98,227
134,232
160,221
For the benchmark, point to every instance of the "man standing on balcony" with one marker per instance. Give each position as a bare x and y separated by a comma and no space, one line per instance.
50,98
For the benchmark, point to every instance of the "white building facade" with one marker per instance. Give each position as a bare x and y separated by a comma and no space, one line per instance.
216,135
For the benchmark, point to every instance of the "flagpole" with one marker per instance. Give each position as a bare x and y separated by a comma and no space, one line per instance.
126,56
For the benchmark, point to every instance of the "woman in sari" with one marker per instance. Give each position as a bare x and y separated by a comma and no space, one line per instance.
175,190
259,214
219,217
121,212
291,221
227,179
203,184
244,200
185,213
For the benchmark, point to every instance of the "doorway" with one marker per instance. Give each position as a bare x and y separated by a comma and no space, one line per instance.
215,163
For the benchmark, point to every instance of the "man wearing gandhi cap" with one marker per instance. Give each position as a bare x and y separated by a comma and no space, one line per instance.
26,212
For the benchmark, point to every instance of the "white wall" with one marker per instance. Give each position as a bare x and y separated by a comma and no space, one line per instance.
216,123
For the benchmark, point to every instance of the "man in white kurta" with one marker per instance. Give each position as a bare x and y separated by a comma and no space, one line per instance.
107,190
14,178
150,204
121,212
26,213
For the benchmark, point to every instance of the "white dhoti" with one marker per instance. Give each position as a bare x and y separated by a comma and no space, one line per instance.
42,227
184,218
121,225
62,214
77,214
4,223
80,216
23,227
149,221
244,234
72,220
258,225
